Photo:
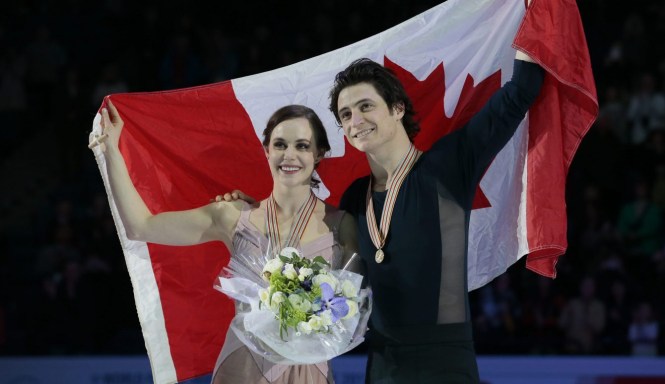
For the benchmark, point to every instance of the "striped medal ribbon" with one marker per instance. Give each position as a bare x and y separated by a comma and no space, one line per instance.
297,226
379,235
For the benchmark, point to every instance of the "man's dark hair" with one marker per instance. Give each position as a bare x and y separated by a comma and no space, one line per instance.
385,82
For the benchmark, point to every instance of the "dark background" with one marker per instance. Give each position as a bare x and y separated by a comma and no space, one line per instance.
64,288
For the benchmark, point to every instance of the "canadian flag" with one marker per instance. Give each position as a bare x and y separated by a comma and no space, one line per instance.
183,147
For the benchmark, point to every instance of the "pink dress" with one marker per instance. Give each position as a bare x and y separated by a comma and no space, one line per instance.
236,362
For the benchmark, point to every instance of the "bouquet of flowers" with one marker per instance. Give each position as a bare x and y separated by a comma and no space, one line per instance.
295,310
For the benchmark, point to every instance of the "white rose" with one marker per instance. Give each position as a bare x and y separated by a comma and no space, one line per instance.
289,251
304,272
315,322
272,266
276,300
290,272
353,309
295,299
348,289
325,278
304,327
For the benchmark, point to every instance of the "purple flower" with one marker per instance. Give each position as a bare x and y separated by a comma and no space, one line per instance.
306,285
337,305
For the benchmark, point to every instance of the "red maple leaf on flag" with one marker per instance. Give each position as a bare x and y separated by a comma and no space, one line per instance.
427,97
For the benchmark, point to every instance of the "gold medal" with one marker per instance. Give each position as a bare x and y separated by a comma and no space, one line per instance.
378,256
378,234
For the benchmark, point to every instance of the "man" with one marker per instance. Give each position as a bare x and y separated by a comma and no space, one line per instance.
413,218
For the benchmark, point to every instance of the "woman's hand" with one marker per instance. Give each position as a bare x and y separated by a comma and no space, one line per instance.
234,196
111,127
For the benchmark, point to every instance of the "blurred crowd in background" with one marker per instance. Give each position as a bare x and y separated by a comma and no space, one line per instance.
64,287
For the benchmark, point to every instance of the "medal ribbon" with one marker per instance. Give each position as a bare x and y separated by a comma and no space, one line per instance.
379,235
297,226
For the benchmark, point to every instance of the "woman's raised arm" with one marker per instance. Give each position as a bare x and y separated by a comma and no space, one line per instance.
211,222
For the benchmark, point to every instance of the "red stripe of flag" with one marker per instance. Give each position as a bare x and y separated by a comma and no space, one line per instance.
552,34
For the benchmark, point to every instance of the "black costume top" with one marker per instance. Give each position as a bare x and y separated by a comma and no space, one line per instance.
423,279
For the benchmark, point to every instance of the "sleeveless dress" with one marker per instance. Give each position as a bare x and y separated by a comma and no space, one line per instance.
236,362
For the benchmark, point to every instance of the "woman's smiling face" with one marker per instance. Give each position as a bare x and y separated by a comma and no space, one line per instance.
292,152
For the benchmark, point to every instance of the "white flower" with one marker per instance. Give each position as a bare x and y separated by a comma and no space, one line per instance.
300,303
289,251
276,300
264,295
353,309
348,289
326,318
278,297
304,327
325,278
295,299
315,322
272,266
305,306
290,272
304,272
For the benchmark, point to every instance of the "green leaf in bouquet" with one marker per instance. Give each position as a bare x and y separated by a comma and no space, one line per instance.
320,260
282,324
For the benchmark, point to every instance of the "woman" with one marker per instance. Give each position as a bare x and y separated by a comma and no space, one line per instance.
294,143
